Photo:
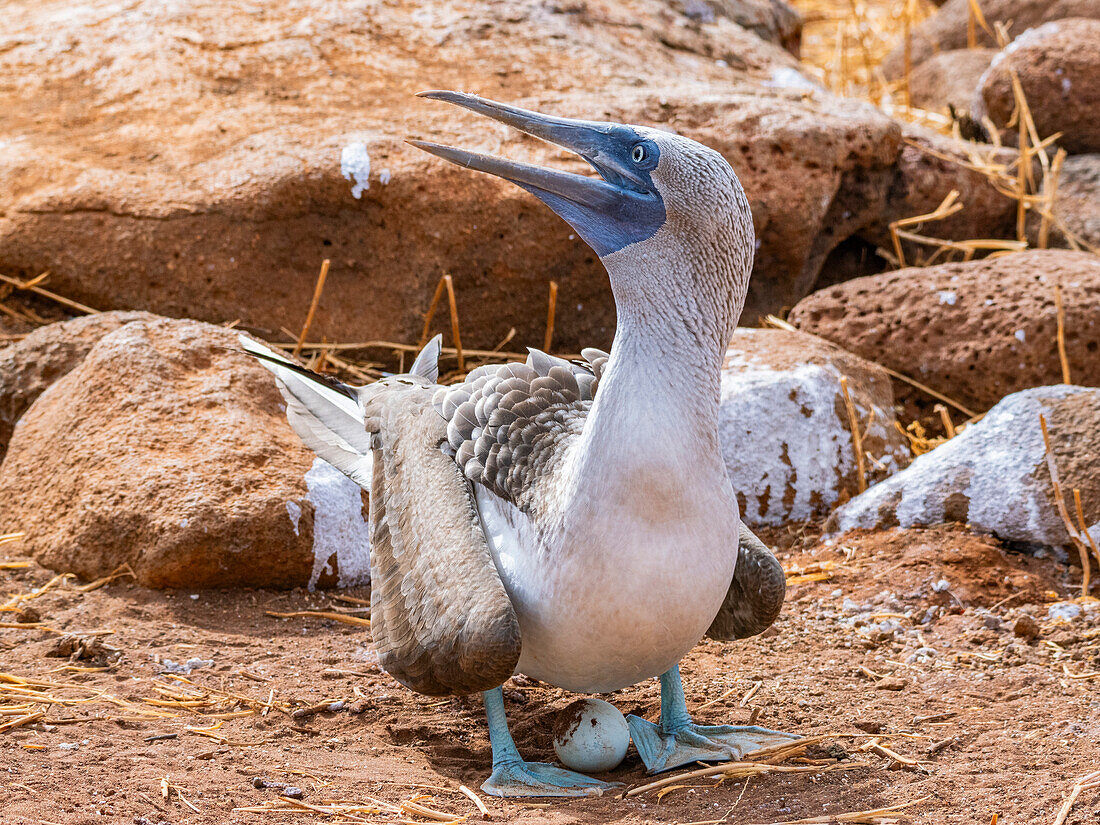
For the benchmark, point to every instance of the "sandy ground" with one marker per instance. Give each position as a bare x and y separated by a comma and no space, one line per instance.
880,632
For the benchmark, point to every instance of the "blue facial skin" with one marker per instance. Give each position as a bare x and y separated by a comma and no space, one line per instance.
626,160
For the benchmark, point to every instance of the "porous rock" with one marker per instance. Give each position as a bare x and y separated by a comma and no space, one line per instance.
948,28
1076,209
1058,66
201,173
785,429
975,331
29,366
949,79
167,449
929,167
993,476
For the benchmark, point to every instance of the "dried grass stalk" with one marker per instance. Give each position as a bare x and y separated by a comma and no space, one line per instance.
321,614
317,289
550,310
1085,783
1061,334
1060,503
857,437
31,286
877,816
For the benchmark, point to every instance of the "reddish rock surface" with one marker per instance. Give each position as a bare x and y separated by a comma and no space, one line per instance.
785,430
186,160
947,29
29,366
167,449
1076,205
928,168
1058,65
949,78
976,331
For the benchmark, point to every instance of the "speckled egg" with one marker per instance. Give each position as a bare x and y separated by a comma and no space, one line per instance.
591,736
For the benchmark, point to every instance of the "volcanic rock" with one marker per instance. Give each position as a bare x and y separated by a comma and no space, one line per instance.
167,449
1058,65
975,331
949,79
928,169
785,430
947,29
993,475
1076,211
29,366
200,172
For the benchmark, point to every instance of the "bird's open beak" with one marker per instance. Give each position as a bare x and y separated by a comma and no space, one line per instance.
581,200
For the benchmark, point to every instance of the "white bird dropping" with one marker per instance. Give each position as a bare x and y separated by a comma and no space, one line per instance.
355,166
591,736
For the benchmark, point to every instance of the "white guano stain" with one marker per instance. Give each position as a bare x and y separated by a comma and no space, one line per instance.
338,526
998,464
355,166
779,430
294,510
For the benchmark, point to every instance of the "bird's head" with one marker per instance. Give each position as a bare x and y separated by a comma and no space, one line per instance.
661,200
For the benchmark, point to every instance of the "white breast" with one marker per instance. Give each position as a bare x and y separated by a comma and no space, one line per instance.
610,600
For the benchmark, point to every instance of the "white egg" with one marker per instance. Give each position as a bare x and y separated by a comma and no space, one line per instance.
591,736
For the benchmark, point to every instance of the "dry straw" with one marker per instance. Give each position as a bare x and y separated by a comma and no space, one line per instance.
1078,534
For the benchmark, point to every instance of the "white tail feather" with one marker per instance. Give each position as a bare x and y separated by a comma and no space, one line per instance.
328,422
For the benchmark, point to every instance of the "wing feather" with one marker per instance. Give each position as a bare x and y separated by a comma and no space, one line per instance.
510,424
755,595
442,621
444,624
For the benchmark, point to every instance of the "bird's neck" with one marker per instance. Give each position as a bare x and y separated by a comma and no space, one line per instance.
658,397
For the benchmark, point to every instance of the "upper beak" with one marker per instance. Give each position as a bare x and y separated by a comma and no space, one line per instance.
592,141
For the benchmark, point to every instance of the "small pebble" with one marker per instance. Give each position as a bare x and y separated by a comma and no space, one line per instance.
891,683
1026,628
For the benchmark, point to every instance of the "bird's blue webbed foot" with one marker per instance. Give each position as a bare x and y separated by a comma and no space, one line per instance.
512,777
518,778
676,740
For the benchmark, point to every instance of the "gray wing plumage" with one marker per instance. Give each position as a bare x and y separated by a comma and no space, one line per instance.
507,424
441,619
755,595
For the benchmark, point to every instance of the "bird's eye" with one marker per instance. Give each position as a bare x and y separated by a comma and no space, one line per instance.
638,155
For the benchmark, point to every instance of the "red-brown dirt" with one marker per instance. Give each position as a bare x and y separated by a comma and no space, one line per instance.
1019,727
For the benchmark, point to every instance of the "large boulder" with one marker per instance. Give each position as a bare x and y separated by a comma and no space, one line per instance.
949,79
785,430
1076,209
167,449
1058,66
994,475
200,173
773,20
976,331
29,366
947,29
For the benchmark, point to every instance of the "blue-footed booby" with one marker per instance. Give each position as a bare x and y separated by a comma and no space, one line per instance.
572,521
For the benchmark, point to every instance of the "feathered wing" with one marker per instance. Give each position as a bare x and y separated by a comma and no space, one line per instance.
440,618
442,621
326,414
755,595
508,424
